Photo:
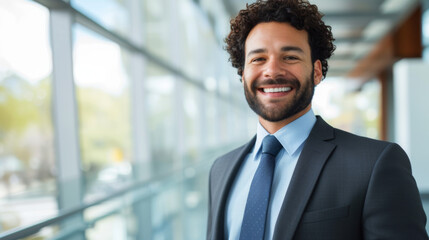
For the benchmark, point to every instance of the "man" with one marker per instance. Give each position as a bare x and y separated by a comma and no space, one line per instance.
323,183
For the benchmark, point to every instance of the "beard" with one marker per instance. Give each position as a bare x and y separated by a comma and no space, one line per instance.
286,109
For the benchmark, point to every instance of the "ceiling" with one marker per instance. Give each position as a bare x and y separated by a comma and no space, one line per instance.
357,26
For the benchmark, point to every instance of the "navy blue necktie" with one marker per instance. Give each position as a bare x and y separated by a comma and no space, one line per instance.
255,213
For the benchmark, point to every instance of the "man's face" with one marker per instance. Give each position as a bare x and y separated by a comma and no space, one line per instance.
279,76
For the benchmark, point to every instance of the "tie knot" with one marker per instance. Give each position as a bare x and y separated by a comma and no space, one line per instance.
271,145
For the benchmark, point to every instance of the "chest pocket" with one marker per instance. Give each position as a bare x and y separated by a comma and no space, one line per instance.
325,214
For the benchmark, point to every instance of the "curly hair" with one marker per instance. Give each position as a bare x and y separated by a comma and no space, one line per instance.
299,13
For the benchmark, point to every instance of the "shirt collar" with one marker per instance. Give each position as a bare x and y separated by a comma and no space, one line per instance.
291,136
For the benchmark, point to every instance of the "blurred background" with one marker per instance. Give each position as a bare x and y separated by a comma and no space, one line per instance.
112,111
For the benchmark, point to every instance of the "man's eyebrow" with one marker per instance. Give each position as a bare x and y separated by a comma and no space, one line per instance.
256,51
292,48
283,49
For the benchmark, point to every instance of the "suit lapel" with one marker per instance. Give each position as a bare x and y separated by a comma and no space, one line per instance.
310,164
225,182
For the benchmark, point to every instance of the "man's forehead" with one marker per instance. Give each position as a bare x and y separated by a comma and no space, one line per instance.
285,36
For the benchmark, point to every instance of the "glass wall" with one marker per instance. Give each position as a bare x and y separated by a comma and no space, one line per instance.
112,14
102,88
157,27
27,162
160,89
154,106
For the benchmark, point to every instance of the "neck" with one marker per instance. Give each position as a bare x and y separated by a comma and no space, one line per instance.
273,127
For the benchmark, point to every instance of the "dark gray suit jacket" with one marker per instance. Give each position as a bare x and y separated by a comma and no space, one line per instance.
343,187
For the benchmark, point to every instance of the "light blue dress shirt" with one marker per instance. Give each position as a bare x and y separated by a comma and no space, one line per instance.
292,138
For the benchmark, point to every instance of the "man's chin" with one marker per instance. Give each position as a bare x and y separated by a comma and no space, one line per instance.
269,116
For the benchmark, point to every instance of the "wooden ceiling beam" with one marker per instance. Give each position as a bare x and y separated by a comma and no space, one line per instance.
403,42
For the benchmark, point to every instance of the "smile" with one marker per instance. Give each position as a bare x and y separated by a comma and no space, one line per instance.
275,90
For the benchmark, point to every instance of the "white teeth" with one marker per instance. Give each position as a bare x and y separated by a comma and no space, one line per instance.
273,90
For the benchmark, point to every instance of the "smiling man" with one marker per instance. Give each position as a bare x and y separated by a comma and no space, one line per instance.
300,178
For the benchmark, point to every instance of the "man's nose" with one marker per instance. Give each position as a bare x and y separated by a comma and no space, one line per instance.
274,69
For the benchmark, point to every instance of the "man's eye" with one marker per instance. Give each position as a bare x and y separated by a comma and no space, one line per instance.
258,59
290,58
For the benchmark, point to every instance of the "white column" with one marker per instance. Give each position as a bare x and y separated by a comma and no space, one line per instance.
411,111
69,175
176,60
141,143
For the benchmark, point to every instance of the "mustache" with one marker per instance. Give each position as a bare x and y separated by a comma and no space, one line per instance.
277,81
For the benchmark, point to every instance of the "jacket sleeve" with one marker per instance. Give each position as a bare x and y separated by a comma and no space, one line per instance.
393,208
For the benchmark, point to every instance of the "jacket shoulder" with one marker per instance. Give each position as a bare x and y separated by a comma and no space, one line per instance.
350,145
326,132
227,160
354,141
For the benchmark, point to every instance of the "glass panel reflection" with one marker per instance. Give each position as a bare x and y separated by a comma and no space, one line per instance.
162,127
102,83
156,22
112,14
194,140
27,162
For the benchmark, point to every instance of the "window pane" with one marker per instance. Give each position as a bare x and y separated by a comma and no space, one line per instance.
27,163
102,84
194,142
195,205
156,22
212,120
199,50
114,220
166,218
348,105
159,86
112,14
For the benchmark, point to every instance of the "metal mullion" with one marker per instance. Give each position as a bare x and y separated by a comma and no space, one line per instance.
65,116
179,135
140,135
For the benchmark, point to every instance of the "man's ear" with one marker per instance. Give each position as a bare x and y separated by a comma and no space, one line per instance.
317,66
